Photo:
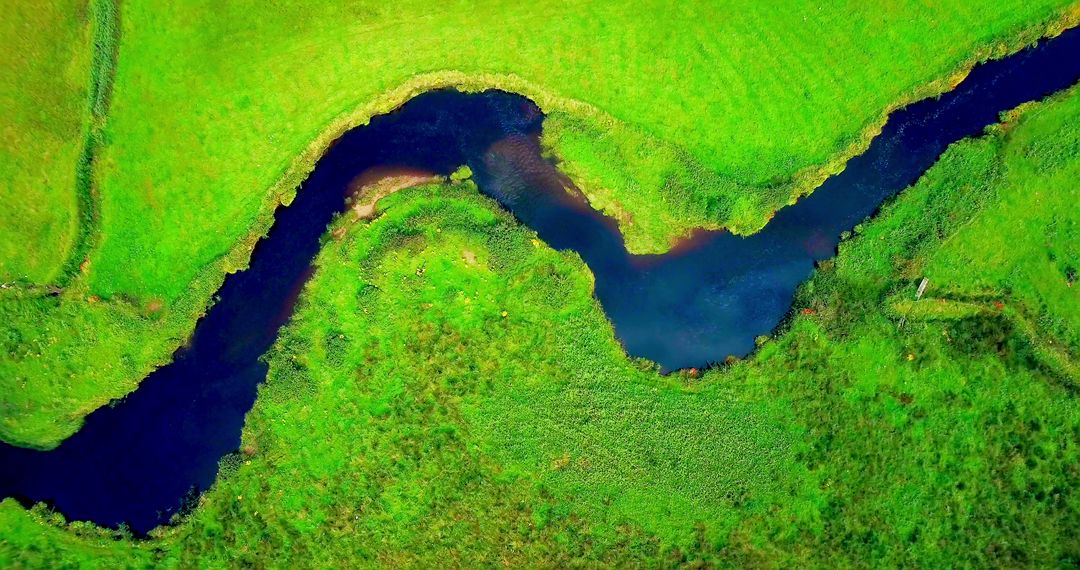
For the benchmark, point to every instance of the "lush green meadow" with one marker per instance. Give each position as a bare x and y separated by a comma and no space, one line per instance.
217,112
43,94
450,394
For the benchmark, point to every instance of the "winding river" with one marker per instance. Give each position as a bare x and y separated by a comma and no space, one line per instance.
140,461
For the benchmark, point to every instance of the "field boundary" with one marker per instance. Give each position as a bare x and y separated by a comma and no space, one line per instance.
106,50
1055,357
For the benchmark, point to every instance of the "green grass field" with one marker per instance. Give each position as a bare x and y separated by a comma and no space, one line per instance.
43,93
719,124
481,413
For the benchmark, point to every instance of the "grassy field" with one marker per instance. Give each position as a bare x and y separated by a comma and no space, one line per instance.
480,412
718,124
43,91
1036,261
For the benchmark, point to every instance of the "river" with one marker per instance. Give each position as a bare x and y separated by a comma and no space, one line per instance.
142,460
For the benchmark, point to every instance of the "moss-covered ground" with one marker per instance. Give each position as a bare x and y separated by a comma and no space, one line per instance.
449,394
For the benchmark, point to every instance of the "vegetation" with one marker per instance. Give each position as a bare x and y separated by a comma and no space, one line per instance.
43,94
450,394
36,320
105,50
32,538
717,125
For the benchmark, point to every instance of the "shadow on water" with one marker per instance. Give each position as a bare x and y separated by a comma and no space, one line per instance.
137,461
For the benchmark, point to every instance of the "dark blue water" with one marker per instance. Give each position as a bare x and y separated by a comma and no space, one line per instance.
137,461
